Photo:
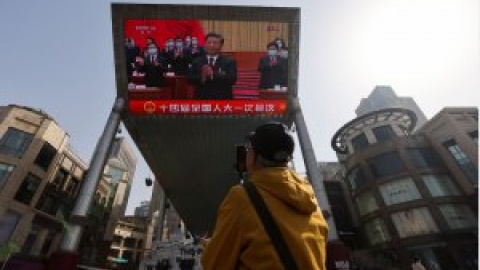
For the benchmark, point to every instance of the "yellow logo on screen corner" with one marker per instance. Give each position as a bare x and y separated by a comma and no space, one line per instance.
149,107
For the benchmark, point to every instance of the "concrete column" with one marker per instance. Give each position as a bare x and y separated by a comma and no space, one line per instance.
39,241
97,164
311,166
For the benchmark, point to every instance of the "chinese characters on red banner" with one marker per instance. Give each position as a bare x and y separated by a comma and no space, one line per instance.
207,107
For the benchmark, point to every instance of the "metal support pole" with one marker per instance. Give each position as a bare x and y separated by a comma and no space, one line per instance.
72,237
314,176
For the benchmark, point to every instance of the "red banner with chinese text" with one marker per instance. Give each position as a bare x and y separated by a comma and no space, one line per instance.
207,107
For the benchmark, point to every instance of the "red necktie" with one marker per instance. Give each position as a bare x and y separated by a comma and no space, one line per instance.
272,61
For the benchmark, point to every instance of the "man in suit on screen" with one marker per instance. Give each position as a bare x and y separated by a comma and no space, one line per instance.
273,69
213,74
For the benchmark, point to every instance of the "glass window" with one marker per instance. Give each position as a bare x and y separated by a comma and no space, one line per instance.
45,156
414,222
116,174
63,211
127,255
458,216
60,177
71,187
440,185
462,160
15,142
8,223
376,231
356,178
383,133
424,157
129,242
47,205
399,191
5,171
366,203
359,142
117,240
27,189
386,164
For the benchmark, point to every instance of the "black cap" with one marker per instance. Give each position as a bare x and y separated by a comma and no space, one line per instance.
273,142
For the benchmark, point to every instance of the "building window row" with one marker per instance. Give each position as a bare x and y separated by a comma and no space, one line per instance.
404,190
386,164
424,157
399,191
440,185
414,222
419,221
458,216
381,133
390,163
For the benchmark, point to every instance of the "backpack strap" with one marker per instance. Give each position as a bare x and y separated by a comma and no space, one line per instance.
273,232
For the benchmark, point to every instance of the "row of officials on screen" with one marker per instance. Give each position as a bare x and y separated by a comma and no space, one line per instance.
212,73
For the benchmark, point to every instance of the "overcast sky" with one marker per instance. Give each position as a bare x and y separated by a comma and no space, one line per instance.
58,56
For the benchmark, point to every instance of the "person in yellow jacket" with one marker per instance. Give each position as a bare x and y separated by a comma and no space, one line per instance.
239,240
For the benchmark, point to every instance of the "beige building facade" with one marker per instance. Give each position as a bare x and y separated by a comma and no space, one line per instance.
40,177
414,193
129,241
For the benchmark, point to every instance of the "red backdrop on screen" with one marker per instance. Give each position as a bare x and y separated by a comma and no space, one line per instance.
162,30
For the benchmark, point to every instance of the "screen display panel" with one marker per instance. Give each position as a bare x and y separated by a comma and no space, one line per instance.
203,65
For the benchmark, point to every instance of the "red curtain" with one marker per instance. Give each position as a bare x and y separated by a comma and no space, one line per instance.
162,30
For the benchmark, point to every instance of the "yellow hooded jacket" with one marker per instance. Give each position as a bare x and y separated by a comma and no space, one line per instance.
240,241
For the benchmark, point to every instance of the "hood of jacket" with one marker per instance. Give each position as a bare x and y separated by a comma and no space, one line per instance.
287,186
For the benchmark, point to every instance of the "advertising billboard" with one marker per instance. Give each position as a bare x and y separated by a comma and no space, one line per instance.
206,66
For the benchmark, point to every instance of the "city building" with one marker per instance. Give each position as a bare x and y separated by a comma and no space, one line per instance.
40,177
120,168
143,210
341,207
414,193
383,97
128,245
109,205
136,236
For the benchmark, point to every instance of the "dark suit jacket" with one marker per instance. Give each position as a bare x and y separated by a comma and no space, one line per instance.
224,77
154,74
272,75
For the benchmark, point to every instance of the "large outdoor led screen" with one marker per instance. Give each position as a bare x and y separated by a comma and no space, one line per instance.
205,66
